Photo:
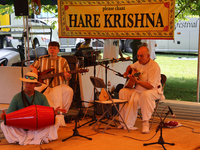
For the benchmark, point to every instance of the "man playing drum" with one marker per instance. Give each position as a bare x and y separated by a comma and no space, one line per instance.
27,97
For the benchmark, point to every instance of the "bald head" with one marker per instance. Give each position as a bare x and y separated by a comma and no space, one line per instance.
143,49
143,55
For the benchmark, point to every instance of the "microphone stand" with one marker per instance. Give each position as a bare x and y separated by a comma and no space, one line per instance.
76,133
22,71
94,119
107,67
160,140
22,64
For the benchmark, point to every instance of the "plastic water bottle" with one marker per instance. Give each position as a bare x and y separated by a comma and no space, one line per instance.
109,86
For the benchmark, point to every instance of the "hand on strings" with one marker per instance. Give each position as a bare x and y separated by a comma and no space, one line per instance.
3,114
57,110
128,70
67,76
133,78
125,74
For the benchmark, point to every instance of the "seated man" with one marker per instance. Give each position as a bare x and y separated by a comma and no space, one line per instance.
87,52
147,89
151,45
58,93
85,44
19,135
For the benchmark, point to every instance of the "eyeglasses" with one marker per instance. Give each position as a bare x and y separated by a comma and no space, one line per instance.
30,77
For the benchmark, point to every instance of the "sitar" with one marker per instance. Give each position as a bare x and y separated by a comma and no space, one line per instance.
46,74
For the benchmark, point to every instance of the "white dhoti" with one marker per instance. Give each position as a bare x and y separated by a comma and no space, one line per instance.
19,135
61,95
145,101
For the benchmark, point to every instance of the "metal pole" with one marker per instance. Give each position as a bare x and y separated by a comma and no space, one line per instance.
198,66
27,37
135,49
24,40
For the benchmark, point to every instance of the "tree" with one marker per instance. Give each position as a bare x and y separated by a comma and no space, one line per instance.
6,9
53,9
185,8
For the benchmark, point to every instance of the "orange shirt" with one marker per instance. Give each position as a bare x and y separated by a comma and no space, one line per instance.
59,65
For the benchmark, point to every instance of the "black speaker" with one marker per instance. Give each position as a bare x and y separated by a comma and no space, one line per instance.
21,7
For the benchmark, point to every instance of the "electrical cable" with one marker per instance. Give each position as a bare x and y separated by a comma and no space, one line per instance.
127,136
154,134
140,139
190,128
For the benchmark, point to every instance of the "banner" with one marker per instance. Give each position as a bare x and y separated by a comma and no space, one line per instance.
123,19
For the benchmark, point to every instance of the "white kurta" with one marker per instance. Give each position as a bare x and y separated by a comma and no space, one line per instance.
58,93
111,49
19,135
140,97
151,46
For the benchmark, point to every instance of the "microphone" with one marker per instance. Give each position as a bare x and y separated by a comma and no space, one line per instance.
119,74
45,56
173,115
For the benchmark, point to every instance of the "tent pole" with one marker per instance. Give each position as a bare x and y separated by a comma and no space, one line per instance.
27,37
198,65
25,57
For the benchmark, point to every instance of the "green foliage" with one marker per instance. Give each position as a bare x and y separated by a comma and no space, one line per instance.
185,8
53,9
6,9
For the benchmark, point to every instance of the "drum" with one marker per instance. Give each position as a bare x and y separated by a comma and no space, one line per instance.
32,117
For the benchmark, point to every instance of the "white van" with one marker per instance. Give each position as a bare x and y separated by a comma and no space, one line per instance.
36,40
12,45
66,44
186,38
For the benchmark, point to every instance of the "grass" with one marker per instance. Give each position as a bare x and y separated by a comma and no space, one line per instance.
181,76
